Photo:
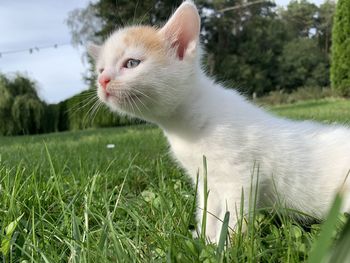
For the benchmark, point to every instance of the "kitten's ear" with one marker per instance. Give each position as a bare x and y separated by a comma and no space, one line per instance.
93,50
182,29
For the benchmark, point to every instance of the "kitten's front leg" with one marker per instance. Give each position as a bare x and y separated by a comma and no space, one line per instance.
213,211
232,201
221,198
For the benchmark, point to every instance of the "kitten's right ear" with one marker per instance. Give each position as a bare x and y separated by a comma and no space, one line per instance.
94,51
182,29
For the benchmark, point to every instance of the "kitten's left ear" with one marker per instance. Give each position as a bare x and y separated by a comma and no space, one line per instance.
182,29
94,50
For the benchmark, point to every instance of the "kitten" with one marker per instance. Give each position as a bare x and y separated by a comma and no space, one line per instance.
155,74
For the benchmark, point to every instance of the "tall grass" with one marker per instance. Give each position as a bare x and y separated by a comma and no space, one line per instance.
68,198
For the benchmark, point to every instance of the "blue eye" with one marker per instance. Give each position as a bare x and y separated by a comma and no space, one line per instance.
132,63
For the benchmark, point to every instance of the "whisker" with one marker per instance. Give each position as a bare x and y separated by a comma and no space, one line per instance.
95,111
126,91
87,95
128,99
142,103
88,113
144,94
99,106
136,105
78,107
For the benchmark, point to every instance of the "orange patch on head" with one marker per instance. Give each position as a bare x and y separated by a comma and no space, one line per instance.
147,37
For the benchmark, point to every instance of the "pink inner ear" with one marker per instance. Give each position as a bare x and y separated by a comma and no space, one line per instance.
183,37
181,47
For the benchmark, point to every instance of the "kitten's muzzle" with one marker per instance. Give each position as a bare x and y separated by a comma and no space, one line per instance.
104,80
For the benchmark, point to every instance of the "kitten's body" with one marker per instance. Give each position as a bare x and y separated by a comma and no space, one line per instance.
303,163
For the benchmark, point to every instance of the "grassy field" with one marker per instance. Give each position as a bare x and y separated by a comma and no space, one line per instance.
327,110
68,197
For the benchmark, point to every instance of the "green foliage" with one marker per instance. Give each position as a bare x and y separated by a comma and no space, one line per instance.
340,69
325,24
340,252
247,54
27,113
299,95
300,18
301,70
322,245
21,110
6,100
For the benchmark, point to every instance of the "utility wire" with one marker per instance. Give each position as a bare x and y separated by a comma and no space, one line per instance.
244,5
31,50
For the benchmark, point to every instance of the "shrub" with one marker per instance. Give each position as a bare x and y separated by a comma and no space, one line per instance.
340,66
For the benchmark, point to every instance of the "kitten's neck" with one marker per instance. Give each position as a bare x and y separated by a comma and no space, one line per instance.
208,105
190,114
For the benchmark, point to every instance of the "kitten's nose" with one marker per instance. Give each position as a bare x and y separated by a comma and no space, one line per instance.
104,80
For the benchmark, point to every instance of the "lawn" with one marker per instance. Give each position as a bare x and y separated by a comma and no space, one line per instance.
73,197
327,110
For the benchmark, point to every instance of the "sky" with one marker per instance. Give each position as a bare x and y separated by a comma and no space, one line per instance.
59,71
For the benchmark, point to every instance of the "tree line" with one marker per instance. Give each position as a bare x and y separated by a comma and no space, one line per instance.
23,112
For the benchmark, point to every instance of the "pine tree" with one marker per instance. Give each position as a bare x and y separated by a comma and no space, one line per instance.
340,66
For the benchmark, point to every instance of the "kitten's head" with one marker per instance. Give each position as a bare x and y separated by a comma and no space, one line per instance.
148,72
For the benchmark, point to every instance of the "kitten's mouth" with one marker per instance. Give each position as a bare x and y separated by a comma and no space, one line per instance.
122,98
116,91
128,99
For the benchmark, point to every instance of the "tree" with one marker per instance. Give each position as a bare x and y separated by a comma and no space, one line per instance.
299,69
324,25
340,66
27,113
6,100
21,110
243,44
300,17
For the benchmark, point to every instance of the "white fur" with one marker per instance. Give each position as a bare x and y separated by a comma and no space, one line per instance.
303,163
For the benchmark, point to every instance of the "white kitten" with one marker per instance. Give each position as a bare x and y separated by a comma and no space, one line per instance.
155,74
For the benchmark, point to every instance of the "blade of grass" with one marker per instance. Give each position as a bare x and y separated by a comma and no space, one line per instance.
223,237
341,252
206,194
320,250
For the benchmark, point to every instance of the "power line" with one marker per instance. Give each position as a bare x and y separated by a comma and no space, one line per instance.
243,5
31,50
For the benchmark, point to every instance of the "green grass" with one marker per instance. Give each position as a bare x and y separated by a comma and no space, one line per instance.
68,198
326,110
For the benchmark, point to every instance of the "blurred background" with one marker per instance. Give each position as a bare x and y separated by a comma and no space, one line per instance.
272,51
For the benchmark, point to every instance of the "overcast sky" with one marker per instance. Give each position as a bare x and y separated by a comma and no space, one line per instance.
26,24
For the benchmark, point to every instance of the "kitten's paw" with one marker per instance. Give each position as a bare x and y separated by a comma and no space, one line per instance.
195,233
212,238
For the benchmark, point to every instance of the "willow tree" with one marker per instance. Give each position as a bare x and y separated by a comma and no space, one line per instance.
6,100
21,110
27,113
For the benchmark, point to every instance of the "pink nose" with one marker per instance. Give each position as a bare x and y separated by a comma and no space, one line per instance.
104,80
